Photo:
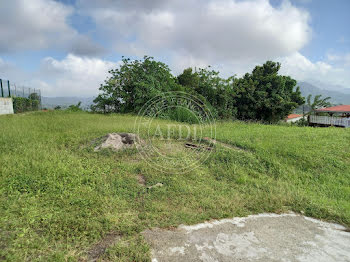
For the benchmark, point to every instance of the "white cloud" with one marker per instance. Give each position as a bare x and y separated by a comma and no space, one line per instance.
40,24
211,31
72,76
231,35
339,58
301,68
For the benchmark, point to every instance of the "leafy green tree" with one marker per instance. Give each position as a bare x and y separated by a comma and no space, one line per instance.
133,84
266,96
189,79
263,95
318,102
34,96
211,88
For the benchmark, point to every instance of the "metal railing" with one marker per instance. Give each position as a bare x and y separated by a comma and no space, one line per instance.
330,120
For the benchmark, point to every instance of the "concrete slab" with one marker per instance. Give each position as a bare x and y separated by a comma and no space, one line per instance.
6,106
265,237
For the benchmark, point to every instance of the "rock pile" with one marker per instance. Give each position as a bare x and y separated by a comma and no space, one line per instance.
118,141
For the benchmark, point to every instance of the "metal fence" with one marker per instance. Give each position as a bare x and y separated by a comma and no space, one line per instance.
9,89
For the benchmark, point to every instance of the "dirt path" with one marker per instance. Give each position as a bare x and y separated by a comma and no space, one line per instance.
264,237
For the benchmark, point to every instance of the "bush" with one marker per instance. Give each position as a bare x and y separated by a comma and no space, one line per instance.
35,105
22,104
302,122
183,115
75,108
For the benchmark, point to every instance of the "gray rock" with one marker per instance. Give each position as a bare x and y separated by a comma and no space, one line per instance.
118,141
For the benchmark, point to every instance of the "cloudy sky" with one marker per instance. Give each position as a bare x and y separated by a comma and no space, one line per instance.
66,47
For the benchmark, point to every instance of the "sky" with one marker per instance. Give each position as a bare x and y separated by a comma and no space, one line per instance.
66,47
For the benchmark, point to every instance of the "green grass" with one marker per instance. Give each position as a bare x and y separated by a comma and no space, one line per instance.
59,198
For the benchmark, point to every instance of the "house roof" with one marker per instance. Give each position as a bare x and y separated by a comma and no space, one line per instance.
291,116
336,109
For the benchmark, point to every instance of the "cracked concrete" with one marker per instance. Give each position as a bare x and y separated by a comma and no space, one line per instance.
265,237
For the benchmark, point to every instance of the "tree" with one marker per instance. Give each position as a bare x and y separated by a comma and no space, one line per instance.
317,103
75,108
266,96
133,84
34,96
212,89
189,79
262,95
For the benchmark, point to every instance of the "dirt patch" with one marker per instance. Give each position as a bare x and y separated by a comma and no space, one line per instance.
118,141
141,180
99,248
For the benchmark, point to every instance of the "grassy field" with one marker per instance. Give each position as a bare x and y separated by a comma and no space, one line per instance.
61,201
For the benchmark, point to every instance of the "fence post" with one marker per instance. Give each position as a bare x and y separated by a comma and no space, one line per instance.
8,86
2,90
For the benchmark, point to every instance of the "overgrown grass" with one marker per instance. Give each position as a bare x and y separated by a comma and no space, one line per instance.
58,197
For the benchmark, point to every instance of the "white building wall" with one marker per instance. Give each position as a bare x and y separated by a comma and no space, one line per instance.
6,106
292,120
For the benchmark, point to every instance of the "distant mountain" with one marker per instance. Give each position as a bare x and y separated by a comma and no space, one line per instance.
337,97
337,88
51,102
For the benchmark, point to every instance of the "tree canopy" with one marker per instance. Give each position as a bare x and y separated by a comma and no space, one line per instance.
318,102
133,84
262,95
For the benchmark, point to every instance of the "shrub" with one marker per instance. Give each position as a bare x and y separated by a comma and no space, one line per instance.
35,105
75,108
22,104
302,122
183,115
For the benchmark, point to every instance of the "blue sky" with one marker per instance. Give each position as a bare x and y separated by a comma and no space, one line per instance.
66,47
331,27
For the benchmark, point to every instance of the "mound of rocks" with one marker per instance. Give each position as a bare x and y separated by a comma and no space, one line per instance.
118,141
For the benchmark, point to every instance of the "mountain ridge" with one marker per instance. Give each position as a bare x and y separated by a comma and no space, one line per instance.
337,97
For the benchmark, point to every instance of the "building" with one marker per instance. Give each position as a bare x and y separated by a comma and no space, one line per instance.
293,118
331,116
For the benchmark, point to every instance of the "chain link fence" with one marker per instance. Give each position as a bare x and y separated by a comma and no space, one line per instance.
24,98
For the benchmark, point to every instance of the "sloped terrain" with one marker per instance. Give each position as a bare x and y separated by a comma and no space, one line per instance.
60,200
